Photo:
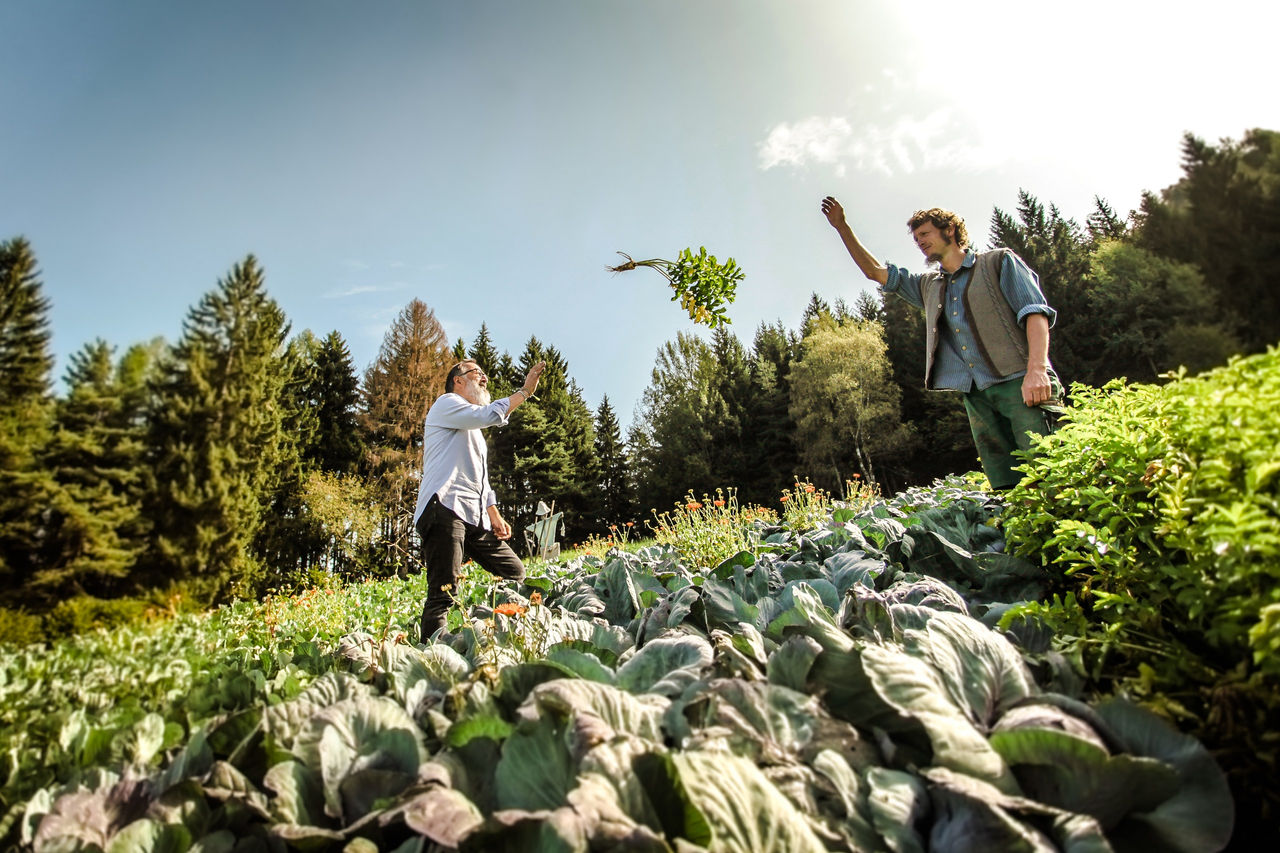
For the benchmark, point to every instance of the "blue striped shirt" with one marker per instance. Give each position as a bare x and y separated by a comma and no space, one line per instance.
958,365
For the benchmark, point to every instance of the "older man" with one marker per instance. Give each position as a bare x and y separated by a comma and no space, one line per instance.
457,512
986,333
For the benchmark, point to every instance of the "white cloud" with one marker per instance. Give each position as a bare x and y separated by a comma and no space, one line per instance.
365,288
816,139
938,140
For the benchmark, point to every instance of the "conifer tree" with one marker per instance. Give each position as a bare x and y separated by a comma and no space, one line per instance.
288,543
817,307
338,446
484,354
217,438
1057,250
529,459
26,363
768,428
96,529
1105,224
399,387
616,492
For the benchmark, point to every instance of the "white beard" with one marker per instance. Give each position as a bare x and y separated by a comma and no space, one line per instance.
483,395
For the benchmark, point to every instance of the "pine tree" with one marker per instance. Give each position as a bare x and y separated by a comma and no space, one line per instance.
288,543
1057,251
399,387
459,350
339,445
217,437
483,353
816,308
530,459
768,427
25,416
1104,224
96,529
616,494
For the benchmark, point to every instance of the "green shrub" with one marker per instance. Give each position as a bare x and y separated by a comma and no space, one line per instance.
85,613
20,628
1161,505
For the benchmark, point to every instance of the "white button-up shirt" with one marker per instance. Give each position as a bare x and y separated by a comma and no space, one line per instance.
455,457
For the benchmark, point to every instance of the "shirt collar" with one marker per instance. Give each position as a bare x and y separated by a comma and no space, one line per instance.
969,260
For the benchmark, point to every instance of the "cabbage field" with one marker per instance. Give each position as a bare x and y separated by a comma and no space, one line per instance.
865,683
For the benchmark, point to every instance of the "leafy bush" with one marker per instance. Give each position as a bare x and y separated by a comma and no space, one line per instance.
1161,507
19,627
85,613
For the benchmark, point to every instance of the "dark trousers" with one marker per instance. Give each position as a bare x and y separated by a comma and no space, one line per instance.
1001,424
446,539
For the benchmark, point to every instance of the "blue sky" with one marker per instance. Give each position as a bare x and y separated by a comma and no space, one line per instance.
489,158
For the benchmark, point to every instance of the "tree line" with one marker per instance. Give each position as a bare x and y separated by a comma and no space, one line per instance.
1186,280
240,460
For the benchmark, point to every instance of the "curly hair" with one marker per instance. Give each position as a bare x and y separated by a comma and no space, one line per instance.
941,219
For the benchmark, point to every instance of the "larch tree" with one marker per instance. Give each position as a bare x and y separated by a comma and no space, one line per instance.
399,387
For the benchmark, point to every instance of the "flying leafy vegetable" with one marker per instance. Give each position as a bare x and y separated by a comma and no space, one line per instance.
702,285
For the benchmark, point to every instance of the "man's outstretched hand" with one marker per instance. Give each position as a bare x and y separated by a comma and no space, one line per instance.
531,378
833,211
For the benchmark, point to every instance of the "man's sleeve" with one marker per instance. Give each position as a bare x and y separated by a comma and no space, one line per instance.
904,284
453,411
1022,289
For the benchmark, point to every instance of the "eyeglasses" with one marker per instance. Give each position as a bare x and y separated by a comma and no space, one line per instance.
473,370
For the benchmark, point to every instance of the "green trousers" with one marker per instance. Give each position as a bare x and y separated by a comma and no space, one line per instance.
1001,423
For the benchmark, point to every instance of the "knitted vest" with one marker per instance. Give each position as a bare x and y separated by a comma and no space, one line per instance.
1002,343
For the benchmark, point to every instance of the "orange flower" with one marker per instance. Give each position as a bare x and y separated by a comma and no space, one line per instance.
857,476
613,527
631,524
692,506
784,498
510,609
535,599
808,487
718,503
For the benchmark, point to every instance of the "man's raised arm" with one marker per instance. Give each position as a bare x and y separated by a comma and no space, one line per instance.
867,262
